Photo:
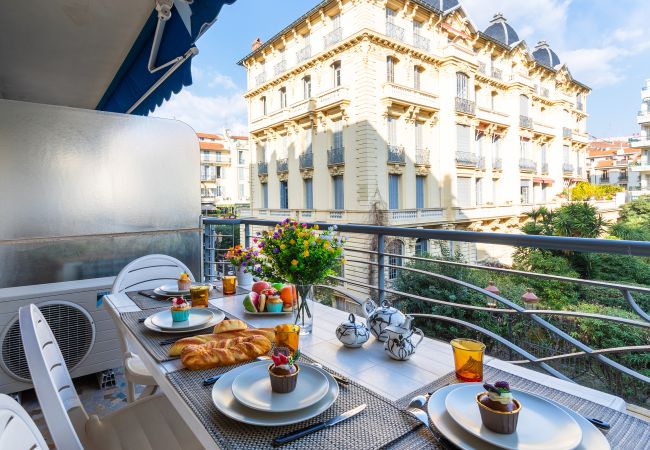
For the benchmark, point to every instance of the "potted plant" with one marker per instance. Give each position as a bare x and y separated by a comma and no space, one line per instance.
241,259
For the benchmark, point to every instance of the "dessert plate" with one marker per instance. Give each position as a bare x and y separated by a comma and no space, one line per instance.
218,316
170,289
592,439
536,415
225,401
198,317
253,389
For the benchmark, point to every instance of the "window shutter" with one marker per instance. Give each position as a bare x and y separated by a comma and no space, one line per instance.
418,135
393,191
419,191
338,192
337,134
565,153
464,191
309,194
392,131
284,195
265,195
461,85
463,138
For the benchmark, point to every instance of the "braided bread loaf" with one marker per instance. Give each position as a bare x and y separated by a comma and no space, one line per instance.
178,346
224,352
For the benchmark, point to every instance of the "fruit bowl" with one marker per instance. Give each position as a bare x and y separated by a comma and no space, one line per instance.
272,299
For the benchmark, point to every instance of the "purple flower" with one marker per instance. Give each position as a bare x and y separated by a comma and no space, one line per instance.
248,256
276,250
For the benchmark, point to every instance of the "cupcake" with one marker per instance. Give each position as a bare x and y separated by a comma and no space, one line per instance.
283,372
499,410
184,282
274,302
180,309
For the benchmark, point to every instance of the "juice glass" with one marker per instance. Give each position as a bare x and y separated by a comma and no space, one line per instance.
468,359
287,335
229,284
199,293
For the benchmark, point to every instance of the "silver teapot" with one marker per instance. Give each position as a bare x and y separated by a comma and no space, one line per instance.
400,345
380,317
351,333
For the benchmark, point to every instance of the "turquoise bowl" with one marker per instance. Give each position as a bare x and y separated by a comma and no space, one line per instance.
181,316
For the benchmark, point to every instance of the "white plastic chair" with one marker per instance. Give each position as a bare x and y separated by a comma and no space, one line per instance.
143,273
17,430
151,423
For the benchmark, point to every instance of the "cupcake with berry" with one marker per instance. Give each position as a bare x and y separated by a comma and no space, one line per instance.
499,409
284,371
184,282
180,309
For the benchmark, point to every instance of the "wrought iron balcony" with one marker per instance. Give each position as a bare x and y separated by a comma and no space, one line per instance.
464,105
567,168
394,31
422,157
333,37
262,168
282,165
421,42
566,132
396,154
544,168
525,122
280,67
497,164
260,78
336,156
482,68
497,73
467,159
580,106
303,54
622,178
527,165
307,160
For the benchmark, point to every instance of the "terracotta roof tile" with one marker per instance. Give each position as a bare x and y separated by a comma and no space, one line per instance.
211,145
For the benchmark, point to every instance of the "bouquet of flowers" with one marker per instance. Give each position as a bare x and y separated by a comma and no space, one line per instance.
241,257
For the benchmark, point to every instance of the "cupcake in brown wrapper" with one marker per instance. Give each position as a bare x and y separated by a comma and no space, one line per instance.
504,422
282,381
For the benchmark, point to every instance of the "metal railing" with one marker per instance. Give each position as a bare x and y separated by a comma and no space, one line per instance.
567,132
422,156
262,168
336,156
260,78
545,168
467,159
282,165
482,68
497,164
303,54
497,73
333,37
306,160
464,105
377,258
421,42
580,106
394,31
567,168
280,67
525,122
396,154
527,165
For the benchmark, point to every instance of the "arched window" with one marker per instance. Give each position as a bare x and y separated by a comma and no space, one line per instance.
391,62
283,97
462,85
336,73
396,248
263,102
421,247
417,76
306,87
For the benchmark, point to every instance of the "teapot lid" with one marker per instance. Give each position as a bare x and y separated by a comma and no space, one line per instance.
403,328
352,322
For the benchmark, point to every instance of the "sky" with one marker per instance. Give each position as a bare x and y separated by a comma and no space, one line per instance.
605,44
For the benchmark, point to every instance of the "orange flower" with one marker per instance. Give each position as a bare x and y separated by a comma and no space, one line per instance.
294,262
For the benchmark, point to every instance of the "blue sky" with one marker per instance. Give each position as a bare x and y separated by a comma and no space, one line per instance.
605,43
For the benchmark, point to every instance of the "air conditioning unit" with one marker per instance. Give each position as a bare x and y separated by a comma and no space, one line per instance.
83,328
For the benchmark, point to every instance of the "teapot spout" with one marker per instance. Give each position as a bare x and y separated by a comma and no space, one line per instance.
368,307
407,322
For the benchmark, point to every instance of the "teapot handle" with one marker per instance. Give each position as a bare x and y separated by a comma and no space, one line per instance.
418,331
368,307
386,304
351,318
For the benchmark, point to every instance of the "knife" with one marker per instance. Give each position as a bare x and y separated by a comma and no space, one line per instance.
282,440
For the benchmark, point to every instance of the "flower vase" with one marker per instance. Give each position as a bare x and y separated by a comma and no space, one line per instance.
303,308
244,279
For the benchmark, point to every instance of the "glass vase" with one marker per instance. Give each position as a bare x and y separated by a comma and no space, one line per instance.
303,308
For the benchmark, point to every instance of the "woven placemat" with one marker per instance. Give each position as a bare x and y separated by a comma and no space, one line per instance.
150,339
145,302
380,424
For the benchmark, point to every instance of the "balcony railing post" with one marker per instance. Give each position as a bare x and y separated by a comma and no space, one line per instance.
247,235
381,270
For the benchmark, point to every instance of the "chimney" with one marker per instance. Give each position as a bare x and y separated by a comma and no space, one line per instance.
257,43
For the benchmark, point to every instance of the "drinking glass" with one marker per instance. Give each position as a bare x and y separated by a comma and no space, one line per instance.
468,359
229,284
287,335
199,293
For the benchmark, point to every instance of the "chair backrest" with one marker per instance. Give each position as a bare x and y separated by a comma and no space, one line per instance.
149,272
64,414
17,430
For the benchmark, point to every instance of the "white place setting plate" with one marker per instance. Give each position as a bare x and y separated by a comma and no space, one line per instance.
253,389
225,401
592,438
217,316
198,317
170,289
541,425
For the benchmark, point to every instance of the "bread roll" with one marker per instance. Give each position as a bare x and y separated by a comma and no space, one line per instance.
229,325
225,352
179,345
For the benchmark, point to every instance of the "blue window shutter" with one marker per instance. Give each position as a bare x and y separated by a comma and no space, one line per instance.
393,191
338,192
265,195
309,194
284,195
419,191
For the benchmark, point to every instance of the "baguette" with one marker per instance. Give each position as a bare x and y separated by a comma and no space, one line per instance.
225,352
229,325
177,347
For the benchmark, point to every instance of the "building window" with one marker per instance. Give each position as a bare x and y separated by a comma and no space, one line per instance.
524,148
420,185
462,85
306,87
395,248
393,191
240,173
219,172
390,69
525,192
463,134
309,194
337,134
464,191
544,192
241,192
493,100
218,156
478,183
495,191
605,175
336,21
523,105
218,191
308,140
338,192
265,195
417,130
543,150
284,195
421,247
566,154
263,102
391,123
417,72
241,157
283,98
336,71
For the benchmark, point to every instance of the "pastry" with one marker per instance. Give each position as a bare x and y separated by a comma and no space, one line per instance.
499,410
184,282
229,325
224,353
274,302
180,309
179,345
283,372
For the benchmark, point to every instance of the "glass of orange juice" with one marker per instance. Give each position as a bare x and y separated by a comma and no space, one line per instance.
468,359
199,292
287,335
229,284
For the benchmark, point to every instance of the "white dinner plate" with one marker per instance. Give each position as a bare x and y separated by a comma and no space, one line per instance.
172,289
592,438
226,402
198,318
253,389
266,313
218,316
536,416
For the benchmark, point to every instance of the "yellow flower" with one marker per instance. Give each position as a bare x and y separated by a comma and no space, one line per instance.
282,246
305,243
292,242
343,260
294,262
327,244
331,249
316,227
305,253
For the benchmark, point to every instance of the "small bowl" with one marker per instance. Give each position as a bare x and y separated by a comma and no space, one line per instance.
283,384
180,315
503,422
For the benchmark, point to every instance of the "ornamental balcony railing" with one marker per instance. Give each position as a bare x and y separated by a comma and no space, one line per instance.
542,91
521,331
527,165
525,122
497,73
580,106
306,160
262,168
282,165
464,105
394,31
567,132
422,156
497,164
623,177
482,68
396,154
567,168
280,67
545,168
467,159
336,156
303,54
333,37
260,78
421,42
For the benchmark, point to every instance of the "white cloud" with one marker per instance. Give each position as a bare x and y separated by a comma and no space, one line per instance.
206,113
595,67
222,81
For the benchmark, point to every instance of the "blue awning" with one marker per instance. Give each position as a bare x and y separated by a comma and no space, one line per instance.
135,88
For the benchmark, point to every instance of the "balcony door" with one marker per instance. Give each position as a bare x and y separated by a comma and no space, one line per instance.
309,194
462,85
420,183
463,139
337,182
284,195
393,191
464,191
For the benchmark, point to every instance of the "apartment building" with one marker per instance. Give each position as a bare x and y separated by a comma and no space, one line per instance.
642,167
404,113
609,162
225,170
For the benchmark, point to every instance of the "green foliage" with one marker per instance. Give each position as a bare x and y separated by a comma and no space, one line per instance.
634,220
585,191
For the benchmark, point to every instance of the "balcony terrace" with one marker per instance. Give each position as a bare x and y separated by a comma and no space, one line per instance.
567,169
332,38
262,168
527,165
408,96
303,54
422,157
467,159
465,106
336,156
396,154
306,160
282,165
421,42
525,122
394,31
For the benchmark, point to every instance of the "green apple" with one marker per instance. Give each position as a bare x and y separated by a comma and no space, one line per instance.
278,286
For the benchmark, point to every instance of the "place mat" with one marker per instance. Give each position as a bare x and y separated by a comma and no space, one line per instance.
145,302
627,432
380,424
151,339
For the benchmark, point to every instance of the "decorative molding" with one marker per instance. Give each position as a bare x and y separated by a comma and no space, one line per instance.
264,177
336,170
395,169
307,174
283,176
421,170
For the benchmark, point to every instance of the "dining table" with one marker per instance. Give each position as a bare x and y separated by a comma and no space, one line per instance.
384,384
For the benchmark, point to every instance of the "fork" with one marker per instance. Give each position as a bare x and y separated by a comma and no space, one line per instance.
414,408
